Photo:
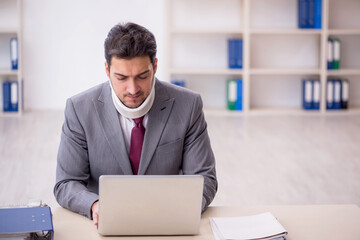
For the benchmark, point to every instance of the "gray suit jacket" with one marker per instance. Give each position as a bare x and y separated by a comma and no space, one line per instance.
92,144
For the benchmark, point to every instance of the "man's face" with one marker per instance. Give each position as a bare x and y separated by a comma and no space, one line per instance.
131,79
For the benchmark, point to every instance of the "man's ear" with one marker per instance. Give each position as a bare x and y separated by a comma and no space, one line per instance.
155,65
107,69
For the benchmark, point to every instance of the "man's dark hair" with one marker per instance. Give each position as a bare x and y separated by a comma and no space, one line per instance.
128,41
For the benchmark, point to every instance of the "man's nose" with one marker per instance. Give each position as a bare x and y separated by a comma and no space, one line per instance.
132,87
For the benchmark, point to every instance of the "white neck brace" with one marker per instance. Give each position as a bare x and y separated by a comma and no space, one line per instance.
134,112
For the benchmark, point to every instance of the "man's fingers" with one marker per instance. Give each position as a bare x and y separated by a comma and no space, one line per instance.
95,218
95,210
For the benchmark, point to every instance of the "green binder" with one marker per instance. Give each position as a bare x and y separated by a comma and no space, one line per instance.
337,51
231,93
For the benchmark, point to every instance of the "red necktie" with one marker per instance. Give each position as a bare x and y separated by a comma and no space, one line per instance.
136,143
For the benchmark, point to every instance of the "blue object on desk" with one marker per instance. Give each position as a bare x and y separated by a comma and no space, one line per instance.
26,220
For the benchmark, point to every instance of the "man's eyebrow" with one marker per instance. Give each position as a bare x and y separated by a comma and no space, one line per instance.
146,71
122,75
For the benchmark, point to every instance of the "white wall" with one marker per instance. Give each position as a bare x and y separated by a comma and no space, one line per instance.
63,51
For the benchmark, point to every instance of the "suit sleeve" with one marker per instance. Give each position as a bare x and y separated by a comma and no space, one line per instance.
198,157
73,170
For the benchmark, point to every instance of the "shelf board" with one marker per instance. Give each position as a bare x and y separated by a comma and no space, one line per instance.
206,31
350,111
222,112
300,111
8,30
279,111
8,72
10,114
282,111
350,31
206,71
344,72
283,71
259,111
252,31
285,31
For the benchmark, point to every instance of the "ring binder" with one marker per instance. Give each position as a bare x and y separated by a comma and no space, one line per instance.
26,223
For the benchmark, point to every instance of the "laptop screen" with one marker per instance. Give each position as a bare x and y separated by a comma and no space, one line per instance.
150,204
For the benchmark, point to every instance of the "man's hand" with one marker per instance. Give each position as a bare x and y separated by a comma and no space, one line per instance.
95,212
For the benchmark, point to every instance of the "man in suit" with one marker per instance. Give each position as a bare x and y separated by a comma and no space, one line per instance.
131,124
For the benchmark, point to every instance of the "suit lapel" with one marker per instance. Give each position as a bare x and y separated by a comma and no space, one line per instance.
158,117
109,119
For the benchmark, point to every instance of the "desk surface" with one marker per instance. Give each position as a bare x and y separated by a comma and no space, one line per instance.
302,222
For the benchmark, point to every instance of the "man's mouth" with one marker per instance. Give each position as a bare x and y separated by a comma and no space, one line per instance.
134,96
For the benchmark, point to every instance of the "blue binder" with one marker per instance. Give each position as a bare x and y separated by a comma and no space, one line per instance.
238,53
316,94
311,14
337,94
235,52
14,53
330,94
317,13
28,220
239,100
180,83
231,53
303,7
14,96
344,93
6,86
10,96
330,54
307,94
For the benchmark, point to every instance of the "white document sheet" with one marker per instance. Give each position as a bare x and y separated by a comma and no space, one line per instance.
261,226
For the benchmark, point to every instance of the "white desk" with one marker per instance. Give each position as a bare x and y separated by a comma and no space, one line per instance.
318,222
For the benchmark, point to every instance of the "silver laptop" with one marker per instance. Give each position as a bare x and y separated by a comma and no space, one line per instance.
150,204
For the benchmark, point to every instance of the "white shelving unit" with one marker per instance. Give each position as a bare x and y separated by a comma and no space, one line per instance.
277,55
10,26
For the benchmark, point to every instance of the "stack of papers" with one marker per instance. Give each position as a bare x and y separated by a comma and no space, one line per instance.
261,226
